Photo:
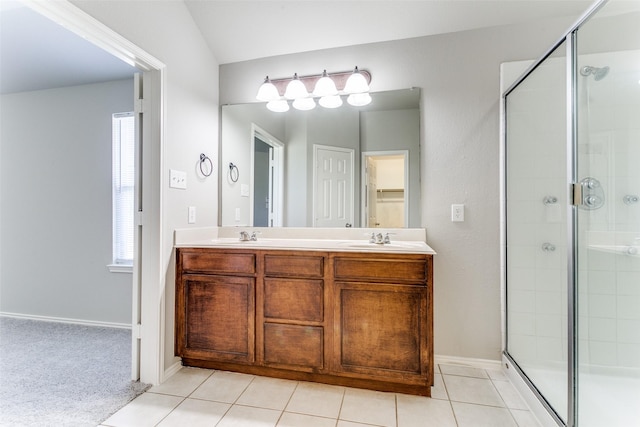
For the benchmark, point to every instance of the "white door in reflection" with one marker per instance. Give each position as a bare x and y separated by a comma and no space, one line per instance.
333,186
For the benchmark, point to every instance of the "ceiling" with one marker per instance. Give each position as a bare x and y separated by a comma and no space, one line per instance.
36,53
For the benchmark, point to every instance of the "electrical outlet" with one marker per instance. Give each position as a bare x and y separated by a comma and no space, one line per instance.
457,213
192,214
177,179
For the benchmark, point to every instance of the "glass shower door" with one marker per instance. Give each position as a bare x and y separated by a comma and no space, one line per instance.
608,220
536,229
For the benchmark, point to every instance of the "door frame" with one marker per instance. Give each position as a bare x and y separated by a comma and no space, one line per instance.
277,189
350,151
147,271
364,181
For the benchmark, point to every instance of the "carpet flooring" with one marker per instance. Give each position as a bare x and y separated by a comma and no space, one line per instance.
63,375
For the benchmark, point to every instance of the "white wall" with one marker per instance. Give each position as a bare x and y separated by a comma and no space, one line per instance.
56,204
166,30
459,77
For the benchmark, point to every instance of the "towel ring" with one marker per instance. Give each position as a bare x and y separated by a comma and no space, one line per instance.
203,159
234,174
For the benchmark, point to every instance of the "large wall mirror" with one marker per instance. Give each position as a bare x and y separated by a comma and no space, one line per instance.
343,167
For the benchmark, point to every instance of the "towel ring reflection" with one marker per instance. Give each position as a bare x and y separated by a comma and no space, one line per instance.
234,174
203,159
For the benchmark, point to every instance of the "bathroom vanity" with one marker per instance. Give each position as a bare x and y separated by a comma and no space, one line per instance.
342,312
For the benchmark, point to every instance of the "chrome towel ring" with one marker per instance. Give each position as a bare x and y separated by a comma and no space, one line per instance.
204,159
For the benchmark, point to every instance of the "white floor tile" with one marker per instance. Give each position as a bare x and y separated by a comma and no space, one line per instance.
464,371
183,382
469,415
524,418
246,416
497,375
510,395
342,423
223,386
370,407
316,399
196,413
148,409
268,393
438,391
299,420
472,390
417,411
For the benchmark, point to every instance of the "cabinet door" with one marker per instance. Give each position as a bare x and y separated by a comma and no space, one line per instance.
380,331
219,318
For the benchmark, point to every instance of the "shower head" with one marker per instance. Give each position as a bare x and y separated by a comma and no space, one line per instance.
598,73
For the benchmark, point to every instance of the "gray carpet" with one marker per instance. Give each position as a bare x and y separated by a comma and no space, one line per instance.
56,374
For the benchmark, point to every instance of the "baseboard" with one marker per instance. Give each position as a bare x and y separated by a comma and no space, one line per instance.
168,373
66,320
468,361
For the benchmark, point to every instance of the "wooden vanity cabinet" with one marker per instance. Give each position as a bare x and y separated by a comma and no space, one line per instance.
353,319
215,305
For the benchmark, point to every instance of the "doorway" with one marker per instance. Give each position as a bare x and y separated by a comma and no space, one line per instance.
267,155
385,189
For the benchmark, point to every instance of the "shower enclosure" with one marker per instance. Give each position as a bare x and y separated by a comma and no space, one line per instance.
571,222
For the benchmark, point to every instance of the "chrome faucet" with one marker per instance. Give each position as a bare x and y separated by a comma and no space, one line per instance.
380,239
246,237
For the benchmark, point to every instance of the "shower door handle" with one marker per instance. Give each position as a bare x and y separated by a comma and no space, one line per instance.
588,194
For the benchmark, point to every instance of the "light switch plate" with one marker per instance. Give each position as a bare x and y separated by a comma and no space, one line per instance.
192,214
244,190
177,179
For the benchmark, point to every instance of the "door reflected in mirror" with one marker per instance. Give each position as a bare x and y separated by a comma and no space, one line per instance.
280,177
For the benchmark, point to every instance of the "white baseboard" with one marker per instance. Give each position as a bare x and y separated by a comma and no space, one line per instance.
168,373
66,320
468,361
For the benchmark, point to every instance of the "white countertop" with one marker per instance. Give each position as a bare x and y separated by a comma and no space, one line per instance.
326,239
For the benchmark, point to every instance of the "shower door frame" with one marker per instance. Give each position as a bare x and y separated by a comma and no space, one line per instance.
570,38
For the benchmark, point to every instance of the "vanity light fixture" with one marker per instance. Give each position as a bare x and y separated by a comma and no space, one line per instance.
333,101
304,104
356,83
328,87
296,89
268,91
325,86
278,106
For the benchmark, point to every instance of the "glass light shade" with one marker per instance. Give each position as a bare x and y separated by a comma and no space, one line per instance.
296,89
267,92
333,101
325,86
278,106
359,99
304,104
356,83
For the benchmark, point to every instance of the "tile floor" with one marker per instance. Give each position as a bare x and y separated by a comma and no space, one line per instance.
462,397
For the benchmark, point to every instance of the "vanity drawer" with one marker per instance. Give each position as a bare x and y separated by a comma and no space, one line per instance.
217,262
294,265
294,299
387,269
295,346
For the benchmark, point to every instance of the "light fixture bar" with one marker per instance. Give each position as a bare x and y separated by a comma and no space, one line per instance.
340,79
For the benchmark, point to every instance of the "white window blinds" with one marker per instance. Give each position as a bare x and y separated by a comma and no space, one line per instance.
123,181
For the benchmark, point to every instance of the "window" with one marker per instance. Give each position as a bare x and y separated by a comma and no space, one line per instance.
123,180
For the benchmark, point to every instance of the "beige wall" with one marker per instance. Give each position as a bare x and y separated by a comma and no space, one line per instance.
459,77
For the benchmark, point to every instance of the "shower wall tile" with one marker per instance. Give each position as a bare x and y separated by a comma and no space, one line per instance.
602,329
628,283
629,355
603,353
629,307
549,325
629,331
602,306
548,303
602,282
